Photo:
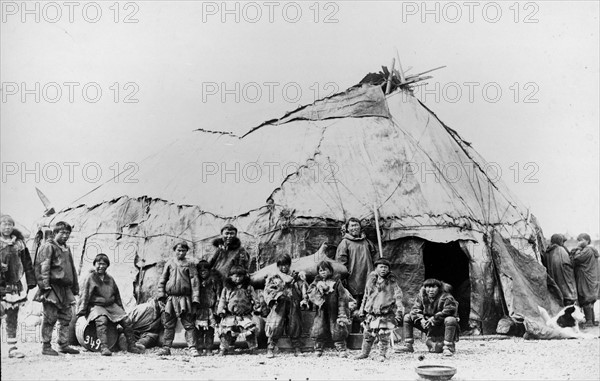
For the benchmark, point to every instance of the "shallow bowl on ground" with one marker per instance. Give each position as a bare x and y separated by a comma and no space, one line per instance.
436,372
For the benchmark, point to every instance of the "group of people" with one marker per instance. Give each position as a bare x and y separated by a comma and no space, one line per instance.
216,296
576,273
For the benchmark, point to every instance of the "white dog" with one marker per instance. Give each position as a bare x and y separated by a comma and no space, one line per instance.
565,325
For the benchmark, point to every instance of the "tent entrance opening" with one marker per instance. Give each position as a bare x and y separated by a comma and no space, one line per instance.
448,263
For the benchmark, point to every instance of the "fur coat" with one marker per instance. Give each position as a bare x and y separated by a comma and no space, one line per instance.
225,257
440,307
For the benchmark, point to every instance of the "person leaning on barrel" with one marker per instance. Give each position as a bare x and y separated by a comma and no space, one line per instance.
100,301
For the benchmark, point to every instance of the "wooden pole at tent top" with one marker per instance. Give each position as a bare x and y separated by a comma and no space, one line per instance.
388,86
377,229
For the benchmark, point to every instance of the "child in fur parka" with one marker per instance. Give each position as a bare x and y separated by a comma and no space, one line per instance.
435,312
237,304
210,287
286,294
14,262
329,297
382,308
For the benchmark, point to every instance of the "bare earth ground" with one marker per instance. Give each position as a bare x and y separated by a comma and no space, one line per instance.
509,359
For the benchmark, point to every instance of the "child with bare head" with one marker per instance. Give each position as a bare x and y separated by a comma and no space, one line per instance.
329,297
178,289
210,286
285,294
237,304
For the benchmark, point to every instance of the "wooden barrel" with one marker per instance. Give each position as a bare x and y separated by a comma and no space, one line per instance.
87,338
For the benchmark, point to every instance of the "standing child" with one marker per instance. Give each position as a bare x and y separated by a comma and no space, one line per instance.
211,285
178,288
15,261
286,294
236,305
382,305
329,296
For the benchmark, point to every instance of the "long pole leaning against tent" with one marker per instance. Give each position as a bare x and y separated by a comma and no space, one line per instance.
377,229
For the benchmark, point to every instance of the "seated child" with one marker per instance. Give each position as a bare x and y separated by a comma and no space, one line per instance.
100,301
178,289
329,297
237,303
211,285
434,312
285,294
382,308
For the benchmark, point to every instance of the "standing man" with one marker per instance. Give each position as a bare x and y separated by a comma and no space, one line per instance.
357,253
15,261
228,252
585,262
57,281
560,269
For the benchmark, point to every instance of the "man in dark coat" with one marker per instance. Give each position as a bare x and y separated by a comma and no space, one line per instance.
228,252
14,262
357,253
585,262
434,311
57,281
560,268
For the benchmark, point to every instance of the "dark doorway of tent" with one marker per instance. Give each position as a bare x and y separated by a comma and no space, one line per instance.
449,263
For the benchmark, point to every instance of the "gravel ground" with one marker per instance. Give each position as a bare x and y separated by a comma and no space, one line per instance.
508,359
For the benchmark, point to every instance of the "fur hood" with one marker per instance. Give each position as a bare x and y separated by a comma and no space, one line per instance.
353,238
446,289
372,277
235,243
230,285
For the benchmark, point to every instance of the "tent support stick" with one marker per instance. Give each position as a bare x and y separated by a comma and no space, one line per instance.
377,229
388,86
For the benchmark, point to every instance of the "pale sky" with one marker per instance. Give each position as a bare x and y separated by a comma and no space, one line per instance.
520,84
